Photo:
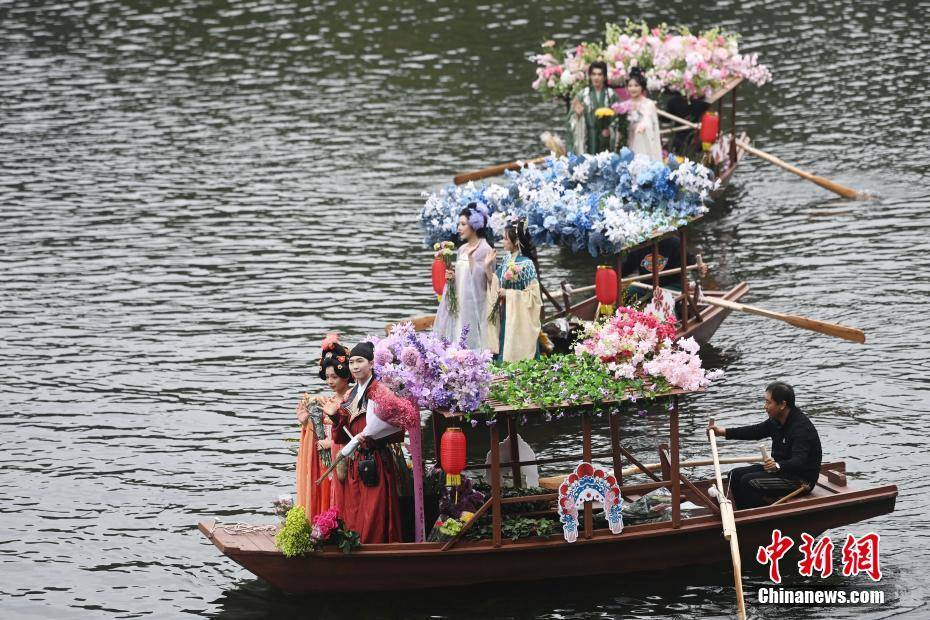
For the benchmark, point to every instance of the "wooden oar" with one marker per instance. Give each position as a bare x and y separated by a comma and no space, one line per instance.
494,171
836,188
822,327
729,526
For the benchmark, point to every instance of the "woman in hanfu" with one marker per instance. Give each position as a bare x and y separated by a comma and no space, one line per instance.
367,493
585,133
470,276
316,440
643,119
514,301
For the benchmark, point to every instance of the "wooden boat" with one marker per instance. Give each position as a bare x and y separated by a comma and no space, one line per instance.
667,545
640,548
724,165
697,318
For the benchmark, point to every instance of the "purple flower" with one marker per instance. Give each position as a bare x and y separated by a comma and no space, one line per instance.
463,337
383,357
409,356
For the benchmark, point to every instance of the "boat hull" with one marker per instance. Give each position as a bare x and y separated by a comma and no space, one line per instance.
638,548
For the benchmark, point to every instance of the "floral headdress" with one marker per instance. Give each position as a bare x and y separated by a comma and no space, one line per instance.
479,216
335,354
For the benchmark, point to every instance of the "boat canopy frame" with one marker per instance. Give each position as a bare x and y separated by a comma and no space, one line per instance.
690,312
504,415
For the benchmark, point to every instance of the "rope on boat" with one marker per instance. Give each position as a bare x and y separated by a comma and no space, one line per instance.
243,528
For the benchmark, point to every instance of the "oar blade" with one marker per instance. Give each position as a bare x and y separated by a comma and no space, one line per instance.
830,329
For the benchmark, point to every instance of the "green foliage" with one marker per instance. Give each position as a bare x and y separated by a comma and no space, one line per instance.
560,380
507,492
295,539
347,539
515,527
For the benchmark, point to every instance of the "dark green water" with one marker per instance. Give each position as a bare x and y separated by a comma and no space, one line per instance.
192,194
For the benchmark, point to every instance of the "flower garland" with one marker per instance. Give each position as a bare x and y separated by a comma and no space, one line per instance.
430,371
554,381
630,355
633,343
600,203
298,536
670,57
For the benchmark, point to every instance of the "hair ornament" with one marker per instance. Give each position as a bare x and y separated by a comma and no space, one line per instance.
330,342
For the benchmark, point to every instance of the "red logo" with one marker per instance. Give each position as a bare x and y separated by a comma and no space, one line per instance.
861,556
817,557
774,552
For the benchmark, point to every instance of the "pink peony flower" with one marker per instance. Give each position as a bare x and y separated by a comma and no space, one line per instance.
327,522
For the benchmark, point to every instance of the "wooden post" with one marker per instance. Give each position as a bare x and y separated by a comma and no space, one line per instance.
615,447
655,266
437,434
733,128
496,483
683,242
586,455
619,262
676,481
514,452
566,299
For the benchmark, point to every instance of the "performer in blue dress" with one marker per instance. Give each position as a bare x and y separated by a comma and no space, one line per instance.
514,300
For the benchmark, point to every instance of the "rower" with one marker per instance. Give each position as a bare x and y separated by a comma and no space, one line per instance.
796,455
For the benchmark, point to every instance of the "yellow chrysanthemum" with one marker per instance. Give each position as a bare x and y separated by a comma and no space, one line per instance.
603,112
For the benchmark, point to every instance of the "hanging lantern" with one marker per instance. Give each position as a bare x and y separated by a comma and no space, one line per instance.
605,289
452,455
710,127
439,276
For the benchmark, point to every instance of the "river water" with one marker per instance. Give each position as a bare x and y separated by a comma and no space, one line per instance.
194,193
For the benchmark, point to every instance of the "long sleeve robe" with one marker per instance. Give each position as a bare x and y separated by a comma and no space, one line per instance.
648,142
471,287
515,334
372,511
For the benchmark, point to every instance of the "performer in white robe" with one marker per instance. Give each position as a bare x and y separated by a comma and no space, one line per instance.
470,277
643,134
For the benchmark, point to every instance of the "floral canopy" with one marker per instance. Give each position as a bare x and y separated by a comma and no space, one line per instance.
599,203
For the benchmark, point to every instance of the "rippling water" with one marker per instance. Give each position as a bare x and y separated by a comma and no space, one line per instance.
194,193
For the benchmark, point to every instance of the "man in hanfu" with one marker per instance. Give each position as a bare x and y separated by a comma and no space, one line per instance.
794,462
585,132
366,490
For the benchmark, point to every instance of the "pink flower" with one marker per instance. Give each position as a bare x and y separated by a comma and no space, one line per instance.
622,107
327,522
383,356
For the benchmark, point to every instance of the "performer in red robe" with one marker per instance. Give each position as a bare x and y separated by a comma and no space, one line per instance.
366,493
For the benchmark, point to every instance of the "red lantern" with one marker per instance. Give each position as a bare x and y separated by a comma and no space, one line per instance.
710,127
452,455
439,276
605,289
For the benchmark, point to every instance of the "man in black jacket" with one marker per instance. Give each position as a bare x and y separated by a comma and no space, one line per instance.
796,453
